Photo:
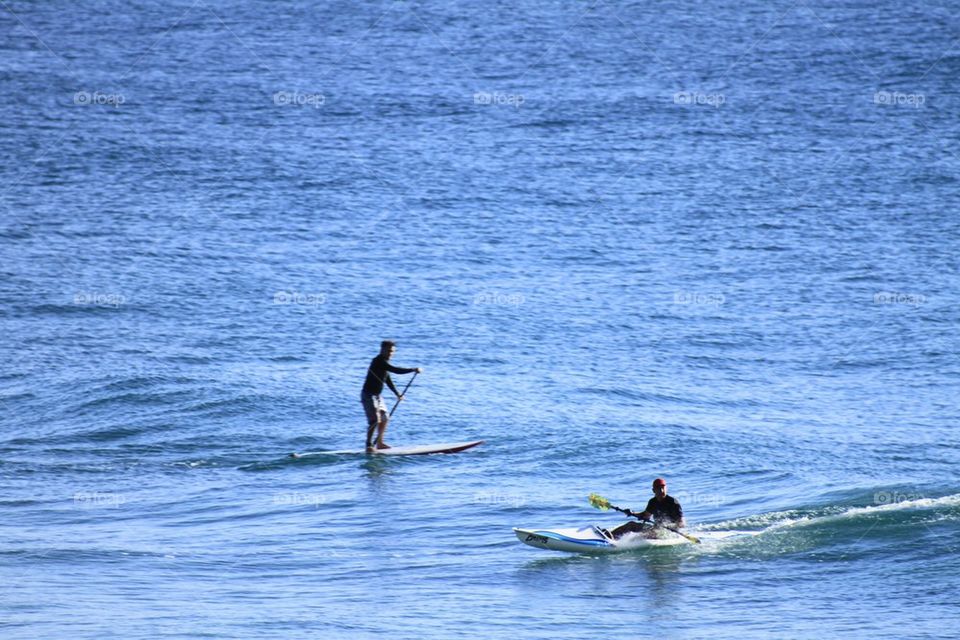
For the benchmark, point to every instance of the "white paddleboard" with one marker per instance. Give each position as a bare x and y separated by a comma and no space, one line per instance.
415,450
589,540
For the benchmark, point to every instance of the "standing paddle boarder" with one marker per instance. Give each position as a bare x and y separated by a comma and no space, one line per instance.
664,509
373,405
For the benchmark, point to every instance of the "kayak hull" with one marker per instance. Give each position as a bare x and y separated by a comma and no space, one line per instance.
590,540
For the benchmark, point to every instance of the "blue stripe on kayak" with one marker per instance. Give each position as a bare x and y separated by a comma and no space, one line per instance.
563,538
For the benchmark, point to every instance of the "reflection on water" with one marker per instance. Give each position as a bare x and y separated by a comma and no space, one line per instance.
656,571
376,468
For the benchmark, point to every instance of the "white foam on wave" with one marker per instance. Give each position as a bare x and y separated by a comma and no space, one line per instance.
885,502
639,540
892,501
723,536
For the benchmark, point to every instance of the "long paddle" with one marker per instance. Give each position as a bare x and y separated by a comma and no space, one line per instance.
403,393
603,504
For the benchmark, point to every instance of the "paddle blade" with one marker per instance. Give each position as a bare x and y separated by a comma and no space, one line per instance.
599,502
693,539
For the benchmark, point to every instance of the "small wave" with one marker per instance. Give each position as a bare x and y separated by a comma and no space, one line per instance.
887,502
547,124
108,434
633,394
152,398
74,309
840,529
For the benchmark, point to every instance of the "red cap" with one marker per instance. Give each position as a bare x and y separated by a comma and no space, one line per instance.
659,482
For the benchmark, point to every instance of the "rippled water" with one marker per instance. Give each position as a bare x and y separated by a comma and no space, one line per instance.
713,242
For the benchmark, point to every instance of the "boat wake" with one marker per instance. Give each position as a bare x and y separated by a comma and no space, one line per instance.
891,518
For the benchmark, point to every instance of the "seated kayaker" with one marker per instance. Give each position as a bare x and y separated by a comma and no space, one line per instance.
663,509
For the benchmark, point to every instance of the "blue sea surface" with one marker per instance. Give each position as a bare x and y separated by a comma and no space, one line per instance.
716,242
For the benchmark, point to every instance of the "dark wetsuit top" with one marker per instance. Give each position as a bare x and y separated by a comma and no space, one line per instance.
377,375
668,511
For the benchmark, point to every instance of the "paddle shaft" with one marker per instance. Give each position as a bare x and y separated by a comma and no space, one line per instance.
403,393
626,512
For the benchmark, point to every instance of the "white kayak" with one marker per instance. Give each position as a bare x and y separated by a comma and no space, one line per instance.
591,540
415,450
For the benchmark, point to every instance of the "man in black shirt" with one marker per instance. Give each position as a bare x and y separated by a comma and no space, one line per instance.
664,509
373,405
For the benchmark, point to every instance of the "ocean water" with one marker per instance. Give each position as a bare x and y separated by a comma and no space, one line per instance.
715,242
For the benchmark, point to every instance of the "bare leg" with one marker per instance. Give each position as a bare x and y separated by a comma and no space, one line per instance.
370,429
381,429
628,527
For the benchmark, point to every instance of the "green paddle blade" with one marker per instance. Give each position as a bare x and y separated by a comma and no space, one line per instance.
599,502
